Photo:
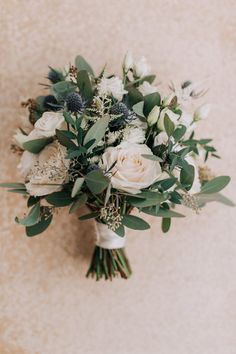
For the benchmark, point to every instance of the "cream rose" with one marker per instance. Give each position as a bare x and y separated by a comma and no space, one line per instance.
132,171
45,172
134,135
50,121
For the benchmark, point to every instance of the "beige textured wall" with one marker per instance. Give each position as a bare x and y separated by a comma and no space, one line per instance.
181,297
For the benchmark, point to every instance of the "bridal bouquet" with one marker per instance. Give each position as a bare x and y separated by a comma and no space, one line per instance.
115,145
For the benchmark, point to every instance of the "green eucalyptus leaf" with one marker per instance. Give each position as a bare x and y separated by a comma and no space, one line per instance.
81,64
152,157
149,199
214,197
168,125
79,202
97,131
62,89
134,96
77,186
69,119
148,78
120,231
179,132
96,181
13,185
134,222
138,109
89,216
215,185
32,218
35,146
165,213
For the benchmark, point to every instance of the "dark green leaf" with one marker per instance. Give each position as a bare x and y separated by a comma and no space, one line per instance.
152,157
150,101
166,222
40,227
134,222
89,216
35,146
69,119
150,198
64,140
148,78
81,64
120,231
59,199
134,96
62,89
85,86
138,109
187,176
165,213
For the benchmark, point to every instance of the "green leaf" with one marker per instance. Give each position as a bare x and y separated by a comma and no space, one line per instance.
134,96
32,201
150,199
169,125
167,183
85,86
89,216
187,176
120,231
13,185
62,89
138,109
179,133
150,101
165,213
148,78
166,222
152,157
77,186
59,199
97,131
214,197
19,191
40,227
32,218
64,140
69,119
96,181
134,222
80,201
35,146
215,185
81,64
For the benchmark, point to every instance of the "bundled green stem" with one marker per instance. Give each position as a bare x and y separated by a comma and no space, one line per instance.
109,263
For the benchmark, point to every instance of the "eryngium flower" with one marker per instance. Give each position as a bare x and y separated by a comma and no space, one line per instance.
74,102
123,114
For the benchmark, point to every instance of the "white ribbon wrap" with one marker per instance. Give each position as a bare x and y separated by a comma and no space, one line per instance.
107,238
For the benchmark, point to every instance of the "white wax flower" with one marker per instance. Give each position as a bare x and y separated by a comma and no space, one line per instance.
141,67
112,86
134,135
128,61
45,172
132,171
146,88
153,116
173,117
202,112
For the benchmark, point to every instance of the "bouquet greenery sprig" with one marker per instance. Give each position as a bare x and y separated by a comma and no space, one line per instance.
115,145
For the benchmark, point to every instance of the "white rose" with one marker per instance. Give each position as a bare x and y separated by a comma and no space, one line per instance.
161,139
153,116
146,88
45,172
173,117
48,123
128,62
112,86
141,67
132,171
134,135
202,112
